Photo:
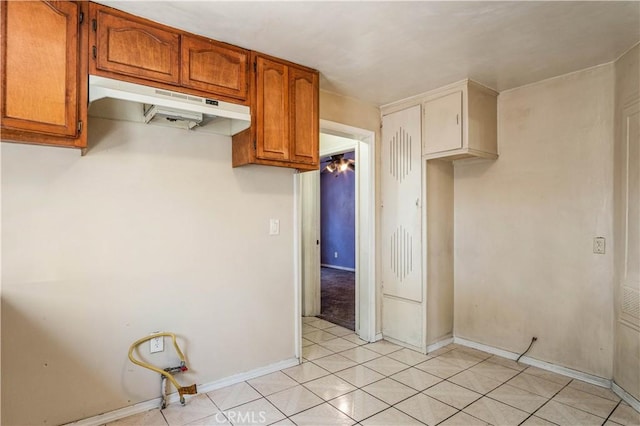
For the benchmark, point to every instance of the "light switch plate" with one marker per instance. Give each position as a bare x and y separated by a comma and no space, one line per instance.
274,227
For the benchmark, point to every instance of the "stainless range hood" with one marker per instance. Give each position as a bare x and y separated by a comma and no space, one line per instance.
121,100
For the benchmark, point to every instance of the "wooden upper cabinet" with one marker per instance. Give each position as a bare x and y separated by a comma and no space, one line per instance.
304,119
44,70
127,45
272,120
285,117
214,67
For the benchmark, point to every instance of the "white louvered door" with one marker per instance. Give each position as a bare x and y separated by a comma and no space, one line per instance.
401,221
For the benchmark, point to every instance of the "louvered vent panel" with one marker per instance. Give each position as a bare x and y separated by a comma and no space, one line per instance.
400,154
401,259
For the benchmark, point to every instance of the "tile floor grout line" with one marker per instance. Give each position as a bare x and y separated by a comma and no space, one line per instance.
482,395
220,409
580,409
324,401
517,408
550,398
358,421
611,413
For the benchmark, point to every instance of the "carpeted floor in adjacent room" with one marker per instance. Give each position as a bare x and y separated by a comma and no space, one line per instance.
338,297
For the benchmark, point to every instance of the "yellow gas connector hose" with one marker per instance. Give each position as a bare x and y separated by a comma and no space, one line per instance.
187,390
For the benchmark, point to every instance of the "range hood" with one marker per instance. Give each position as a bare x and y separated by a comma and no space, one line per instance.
136,102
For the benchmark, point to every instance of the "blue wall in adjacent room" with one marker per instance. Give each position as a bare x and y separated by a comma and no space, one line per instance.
338,221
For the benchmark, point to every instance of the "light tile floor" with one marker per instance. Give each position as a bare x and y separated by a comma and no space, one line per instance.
345,381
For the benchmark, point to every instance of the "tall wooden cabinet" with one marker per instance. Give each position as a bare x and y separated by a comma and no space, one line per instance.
285,119
44,72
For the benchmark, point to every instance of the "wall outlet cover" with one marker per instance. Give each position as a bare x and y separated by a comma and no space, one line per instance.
156,344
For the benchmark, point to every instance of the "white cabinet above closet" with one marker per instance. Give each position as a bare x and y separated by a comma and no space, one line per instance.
460,121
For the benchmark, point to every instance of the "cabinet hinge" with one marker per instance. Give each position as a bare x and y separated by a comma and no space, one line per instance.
255,67
81,17
94,24
95,52
79,127
255,146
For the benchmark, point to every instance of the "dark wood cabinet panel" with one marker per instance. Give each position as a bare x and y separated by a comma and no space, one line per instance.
214,67
304,119
272,121
44,72
134,47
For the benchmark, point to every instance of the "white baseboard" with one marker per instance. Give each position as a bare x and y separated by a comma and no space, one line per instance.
575,374
377,337
485,348
439,344
175,399
403,344
626,396
430,348
342,268
241,377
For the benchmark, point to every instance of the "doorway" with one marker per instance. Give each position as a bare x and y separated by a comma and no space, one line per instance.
342,138
337,237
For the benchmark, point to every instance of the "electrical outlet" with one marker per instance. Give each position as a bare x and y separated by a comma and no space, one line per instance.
335,254
598,245
156,344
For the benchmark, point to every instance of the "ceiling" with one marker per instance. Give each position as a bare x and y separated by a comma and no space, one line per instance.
381,52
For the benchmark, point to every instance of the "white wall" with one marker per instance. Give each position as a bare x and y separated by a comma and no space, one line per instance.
524,226
152,230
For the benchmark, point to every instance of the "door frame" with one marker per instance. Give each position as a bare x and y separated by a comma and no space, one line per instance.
364,144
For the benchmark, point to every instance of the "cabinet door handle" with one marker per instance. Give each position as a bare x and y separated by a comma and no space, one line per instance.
457,118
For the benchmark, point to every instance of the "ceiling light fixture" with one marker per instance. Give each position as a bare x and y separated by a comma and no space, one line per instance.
337,163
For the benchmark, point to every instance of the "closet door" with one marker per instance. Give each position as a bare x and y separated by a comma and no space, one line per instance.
402,284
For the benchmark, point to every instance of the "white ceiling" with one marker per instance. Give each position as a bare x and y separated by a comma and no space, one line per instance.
385,51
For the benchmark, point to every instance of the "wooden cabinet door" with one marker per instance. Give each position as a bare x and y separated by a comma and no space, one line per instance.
129,46
304,118
272,110
40,70
214,67
443,123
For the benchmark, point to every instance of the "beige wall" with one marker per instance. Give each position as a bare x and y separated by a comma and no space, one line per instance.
626,371
439,273
356,113
349,111
152,230
524,226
